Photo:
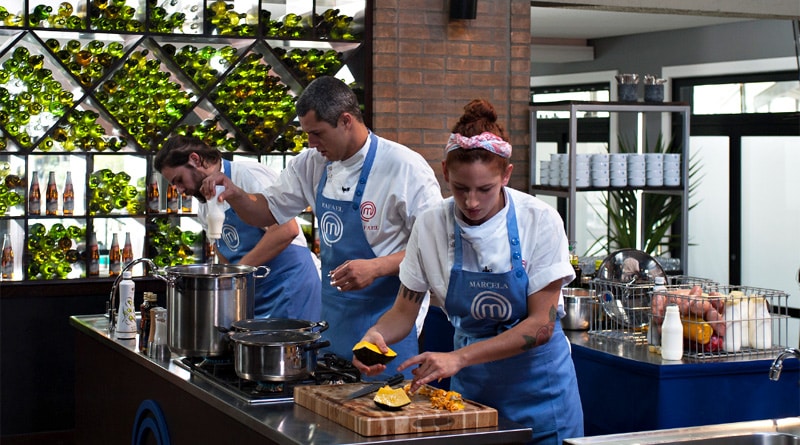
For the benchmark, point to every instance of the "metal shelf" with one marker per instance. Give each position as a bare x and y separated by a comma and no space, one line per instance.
569,192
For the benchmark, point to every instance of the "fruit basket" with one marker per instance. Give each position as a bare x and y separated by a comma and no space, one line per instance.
723,320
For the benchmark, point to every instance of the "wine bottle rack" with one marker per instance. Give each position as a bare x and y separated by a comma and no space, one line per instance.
95,87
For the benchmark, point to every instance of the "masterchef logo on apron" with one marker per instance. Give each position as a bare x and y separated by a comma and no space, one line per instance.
368,211
230,237
490,305
331,227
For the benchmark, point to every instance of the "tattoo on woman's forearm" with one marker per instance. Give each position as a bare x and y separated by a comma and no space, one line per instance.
408,294
543,334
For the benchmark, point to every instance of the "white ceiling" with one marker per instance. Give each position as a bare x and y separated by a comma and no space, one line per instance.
585,24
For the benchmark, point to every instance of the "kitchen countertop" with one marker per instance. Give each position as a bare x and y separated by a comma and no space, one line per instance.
286,422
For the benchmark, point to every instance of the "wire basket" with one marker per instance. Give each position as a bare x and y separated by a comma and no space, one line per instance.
724,321
686,280
623,310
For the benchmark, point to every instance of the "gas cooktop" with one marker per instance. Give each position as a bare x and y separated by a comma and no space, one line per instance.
220,372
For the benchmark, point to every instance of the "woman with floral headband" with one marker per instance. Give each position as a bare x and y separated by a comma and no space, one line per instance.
495,259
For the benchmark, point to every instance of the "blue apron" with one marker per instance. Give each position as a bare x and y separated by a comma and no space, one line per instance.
536,388
342,238
292,289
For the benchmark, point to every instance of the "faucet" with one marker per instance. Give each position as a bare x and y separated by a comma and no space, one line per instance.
777,364
110,309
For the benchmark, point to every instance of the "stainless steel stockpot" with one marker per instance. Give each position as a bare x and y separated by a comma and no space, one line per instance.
275,355
201,298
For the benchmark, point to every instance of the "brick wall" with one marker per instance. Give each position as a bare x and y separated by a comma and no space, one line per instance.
426,67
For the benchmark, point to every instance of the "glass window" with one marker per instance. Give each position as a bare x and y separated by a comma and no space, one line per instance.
747,97
584,93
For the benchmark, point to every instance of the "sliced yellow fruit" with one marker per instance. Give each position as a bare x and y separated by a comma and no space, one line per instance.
369,354
391,399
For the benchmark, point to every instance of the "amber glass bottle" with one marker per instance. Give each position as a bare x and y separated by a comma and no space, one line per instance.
51,195
35,196
114,257
68,196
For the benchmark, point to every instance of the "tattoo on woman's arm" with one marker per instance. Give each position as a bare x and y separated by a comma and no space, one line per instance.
408,294
543,334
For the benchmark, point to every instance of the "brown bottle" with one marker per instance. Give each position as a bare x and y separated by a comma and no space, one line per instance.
68,196
35,196
172,199
153,204
186,203
7,262
114,258
127,250
51,196
93,257
144,324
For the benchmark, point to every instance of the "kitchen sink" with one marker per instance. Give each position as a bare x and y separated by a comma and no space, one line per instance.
785,431
746,439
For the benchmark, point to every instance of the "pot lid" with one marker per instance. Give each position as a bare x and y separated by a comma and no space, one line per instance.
275,338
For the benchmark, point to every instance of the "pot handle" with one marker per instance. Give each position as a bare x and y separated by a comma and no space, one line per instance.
322,325
261,272
317,345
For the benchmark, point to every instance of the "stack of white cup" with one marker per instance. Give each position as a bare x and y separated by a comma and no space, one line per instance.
544,172
618,169
563,169
672,169
555,169
582,170
600,170
655,169
636,169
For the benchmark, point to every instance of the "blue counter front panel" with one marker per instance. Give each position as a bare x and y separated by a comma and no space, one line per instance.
621,395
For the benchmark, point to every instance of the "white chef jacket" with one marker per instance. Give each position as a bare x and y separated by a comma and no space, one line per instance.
544,246
401,185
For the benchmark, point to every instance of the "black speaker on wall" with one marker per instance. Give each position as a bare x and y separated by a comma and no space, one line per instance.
463,9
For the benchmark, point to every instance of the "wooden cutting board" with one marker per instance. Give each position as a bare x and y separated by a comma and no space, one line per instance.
364,417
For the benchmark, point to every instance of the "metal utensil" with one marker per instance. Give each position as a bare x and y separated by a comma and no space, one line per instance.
393,380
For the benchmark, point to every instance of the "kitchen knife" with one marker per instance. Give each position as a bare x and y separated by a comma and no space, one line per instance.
393,380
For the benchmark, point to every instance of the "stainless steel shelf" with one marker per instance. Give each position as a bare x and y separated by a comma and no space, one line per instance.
569,192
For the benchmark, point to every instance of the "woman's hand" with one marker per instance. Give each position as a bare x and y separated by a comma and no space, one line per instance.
432,366
374,337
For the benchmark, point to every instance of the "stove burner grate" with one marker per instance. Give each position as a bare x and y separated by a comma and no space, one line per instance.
220,372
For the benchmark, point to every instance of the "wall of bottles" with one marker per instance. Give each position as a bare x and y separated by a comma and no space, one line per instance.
90,90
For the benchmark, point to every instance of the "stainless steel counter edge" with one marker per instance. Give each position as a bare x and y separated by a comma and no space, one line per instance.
785,425
286,422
